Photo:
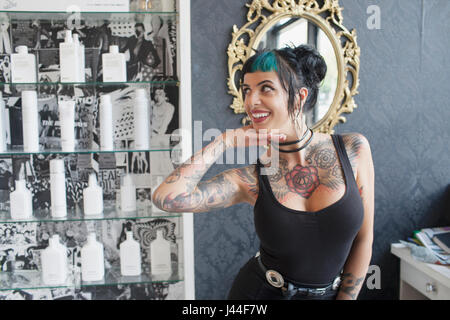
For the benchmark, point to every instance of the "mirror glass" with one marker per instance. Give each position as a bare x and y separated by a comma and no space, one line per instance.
294,31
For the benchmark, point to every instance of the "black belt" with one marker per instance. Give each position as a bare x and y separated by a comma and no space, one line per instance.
276,280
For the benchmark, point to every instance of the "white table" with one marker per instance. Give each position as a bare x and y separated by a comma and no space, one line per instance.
419,280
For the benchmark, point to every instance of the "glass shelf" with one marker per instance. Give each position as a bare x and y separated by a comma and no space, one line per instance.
84,15
80,88
14,152
32,279
110,213
90,83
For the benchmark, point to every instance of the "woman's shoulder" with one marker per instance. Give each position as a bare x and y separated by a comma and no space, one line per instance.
356,144
358,149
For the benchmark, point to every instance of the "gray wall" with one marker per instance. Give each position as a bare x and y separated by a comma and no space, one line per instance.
403,110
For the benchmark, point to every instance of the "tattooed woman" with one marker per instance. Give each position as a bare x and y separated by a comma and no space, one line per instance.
314,216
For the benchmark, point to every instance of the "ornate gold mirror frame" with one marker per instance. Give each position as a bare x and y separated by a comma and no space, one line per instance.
327,15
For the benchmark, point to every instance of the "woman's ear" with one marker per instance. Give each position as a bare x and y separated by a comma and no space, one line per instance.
303,95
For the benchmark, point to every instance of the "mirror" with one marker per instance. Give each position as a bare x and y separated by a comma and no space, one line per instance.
296,31
292,23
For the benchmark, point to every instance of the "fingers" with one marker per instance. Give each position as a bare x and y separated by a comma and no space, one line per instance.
261,137
247,136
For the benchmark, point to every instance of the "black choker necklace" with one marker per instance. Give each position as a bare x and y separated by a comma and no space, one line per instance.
298,149
293,142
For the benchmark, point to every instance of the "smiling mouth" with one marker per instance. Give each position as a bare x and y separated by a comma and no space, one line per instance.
260,117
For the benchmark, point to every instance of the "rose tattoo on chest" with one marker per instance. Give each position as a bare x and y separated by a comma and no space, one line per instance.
303,180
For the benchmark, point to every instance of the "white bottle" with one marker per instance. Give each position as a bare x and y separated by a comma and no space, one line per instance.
127,193
141,121
58,188
106,123
67,124
30,121
130,256
92,260
69,59
54,262
21,199
23,66
81,57
114,65
93,197
160,255
3,124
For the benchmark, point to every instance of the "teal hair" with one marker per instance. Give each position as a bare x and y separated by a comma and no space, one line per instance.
265,62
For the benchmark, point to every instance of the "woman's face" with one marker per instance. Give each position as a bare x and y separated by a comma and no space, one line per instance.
266,101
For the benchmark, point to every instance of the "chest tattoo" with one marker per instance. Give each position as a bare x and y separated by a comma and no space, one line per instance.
303,180
322,168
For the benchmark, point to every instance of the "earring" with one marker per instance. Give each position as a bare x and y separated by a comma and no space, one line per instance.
298,129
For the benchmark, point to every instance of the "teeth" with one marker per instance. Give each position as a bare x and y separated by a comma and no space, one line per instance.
260,115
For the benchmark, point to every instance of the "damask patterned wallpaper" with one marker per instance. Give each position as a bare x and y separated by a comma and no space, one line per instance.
403,110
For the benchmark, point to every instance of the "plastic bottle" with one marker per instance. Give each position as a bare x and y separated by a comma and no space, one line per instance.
21,198
106,123
30,121
92,260
58,188
114,65
127,193
93,197
81,58
160,255
67,123
69,59
54,262
141,121
130,256
23,66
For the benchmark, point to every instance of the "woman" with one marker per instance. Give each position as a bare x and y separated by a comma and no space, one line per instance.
314,216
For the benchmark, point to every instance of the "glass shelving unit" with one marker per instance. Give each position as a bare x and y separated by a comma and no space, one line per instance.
32,279
109,213
109,16
15,152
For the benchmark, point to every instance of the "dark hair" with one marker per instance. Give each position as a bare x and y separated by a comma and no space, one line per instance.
139,24
297,67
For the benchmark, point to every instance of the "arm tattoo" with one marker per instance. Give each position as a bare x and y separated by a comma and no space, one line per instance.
350,285
248,176
218,192
192,178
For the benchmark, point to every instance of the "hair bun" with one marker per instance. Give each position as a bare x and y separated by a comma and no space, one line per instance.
312,64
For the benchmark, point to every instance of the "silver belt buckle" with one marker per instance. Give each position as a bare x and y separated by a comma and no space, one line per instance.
274,278
319,291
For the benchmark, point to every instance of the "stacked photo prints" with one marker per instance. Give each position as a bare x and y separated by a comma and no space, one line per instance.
150,59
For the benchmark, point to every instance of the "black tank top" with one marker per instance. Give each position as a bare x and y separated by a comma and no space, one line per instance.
308,248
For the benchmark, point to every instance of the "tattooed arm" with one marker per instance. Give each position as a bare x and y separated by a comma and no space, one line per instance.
183,191
356,266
